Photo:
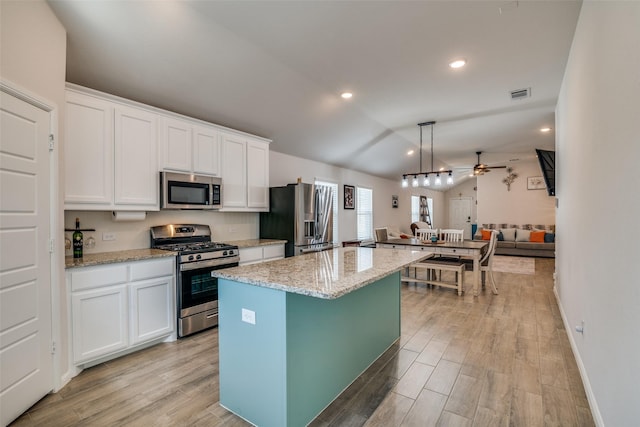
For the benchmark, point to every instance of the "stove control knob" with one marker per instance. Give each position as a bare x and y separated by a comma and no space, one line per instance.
224,253
190,257
198,256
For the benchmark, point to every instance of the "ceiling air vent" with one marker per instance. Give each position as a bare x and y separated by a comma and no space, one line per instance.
521,93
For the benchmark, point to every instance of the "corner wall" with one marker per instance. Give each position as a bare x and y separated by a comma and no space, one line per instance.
597,155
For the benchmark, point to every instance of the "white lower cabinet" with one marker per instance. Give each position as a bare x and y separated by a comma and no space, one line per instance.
99,322
256,254
151,312
117,307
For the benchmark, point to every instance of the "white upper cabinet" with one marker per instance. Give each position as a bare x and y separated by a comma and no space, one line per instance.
191,148
257,175
88,151
115,148
245,174
110,155
136,164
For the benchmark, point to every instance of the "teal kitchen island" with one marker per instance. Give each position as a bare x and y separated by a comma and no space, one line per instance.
294,333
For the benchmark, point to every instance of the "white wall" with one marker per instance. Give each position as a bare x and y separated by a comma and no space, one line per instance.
33,56
285,169
518,206
598,149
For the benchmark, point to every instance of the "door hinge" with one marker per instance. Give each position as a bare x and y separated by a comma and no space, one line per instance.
52,245
53,347
52,142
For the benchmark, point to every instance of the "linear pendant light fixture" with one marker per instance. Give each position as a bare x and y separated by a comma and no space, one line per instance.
426,182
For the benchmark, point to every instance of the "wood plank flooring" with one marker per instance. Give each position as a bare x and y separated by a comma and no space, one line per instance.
495,360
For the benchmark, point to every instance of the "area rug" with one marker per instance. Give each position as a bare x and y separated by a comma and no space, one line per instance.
514,264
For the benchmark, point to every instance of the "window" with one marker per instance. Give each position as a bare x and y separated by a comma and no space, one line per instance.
415,208
364,213
334,192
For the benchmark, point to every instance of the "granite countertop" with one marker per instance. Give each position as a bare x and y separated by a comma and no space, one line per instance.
252,243
114,257
327,274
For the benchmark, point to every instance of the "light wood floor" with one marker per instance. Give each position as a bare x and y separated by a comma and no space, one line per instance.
499,360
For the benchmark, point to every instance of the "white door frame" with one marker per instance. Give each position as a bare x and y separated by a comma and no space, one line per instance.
57,237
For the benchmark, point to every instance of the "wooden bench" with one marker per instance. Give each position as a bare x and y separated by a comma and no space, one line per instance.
432,266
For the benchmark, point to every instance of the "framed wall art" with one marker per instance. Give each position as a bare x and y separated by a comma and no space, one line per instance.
349,197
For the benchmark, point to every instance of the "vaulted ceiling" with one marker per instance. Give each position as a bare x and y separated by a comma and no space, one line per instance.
277,69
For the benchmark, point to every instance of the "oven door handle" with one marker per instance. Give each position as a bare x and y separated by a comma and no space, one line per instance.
221,263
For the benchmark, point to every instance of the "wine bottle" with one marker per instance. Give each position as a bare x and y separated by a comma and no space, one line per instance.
77,240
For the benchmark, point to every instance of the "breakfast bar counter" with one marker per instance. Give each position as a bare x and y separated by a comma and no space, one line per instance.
294,333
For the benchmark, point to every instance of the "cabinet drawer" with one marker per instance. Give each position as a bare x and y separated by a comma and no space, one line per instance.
388,246
453,251
273,251
96,277
141,270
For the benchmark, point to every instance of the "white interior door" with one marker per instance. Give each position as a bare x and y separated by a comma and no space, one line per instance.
460,215
26,360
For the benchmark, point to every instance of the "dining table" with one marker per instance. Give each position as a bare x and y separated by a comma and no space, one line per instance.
472,249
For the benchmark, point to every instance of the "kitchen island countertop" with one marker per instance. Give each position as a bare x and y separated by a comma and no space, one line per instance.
328,274
114,257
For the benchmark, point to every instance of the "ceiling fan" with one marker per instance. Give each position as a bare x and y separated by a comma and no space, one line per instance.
481,168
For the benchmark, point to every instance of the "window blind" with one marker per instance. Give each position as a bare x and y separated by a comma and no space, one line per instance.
364,213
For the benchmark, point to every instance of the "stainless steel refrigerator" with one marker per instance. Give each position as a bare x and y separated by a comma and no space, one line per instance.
302,214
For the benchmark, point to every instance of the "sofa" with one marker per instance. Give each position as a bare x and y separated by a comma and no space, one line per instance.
522,240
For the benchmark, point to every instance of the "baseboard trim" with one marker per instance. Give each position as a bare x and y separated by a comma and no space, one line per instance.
595,411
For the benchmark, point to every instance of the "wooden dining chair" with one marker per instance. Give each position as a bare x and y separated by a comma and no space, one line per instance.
452,235
426,233
486,261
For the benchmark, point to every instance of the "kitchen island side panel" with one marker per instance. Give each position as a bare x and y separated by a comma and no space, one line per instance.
331,342
252,357
302,351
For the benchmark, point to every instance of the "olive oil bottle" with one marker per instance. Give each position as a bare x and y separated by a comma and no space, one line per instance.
77,240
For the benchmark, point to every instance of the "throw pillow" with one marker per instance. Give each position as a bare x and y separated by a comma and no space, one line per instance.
509,234
537,236
549,238
486,234
523,235
500,237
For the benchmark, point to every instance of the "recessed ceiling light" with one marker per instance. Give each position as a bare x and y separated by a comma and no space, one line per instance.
547,129
410,153
346,95
458,63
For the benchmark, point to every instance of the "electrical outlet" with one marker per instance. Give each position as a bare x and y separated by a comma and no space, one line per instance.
108,236
249,316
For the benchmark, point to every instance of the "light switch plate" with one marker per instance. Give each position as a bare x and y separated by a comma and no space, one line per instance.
249,316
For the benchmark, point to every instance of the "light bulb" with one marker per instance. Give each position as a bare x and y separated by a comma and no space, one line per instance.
450,179
405,183
426,181
414,183
438,180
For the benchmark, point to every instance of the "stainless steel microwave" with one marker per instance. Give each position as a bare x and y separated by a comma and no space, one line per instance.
186,191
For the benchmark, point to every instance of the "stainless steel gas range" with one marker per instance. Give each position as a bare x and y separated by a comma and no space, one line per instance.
198,256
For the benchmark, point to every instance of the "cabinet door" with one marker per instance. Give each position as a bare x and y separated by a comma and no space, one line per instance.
234,172
250,255
153,312
136,164
88,152
257,175
99,322
206,151
175,145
